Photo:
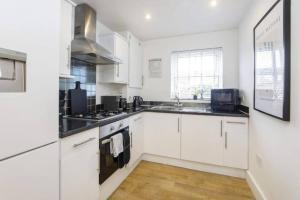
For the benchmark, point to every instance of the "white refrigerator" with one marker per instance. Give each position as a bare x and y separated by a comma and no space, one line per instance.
29,154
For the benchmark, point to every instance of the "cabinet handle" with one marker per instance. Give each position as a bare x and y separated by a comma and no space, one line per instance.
118,70
142,80
84,142
230,122
178,125
131,139
221,128
225,140
69,57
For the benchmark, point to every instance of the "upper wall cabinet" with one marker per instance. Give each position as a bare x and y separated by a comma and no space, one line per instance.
118,46
66,36
135,61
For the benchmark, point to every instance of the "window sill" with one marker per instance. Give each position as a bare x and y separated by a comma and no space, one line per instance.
193,101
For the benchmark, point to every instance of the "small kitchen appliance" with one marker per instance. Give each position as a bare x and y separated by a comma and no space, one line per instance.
225,100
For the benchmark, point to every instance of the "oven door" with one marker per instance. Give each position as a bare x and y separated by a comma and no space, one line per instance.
108,164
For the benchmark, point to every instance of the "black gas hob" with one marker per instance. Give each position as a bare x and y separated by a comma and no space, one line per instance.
99,116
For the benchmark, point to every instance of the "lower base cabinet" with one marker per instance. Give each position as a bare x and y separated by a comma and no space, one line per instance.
201,139
136,131
235,152
79,175
162,134
215,140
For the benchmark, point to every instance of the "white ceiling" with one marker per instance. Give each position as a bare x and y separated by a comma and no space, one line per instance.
169,17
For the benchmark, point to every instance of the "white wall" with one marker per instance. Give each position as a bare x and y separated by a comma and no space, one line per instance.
275,141
32,27
159,88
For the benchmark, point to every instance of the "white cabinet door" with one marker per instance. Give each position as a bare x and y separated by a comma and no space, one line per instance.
137,137
121,53
162,134
118,46
202,139
235,143
31,176
79,166
66,38
135,63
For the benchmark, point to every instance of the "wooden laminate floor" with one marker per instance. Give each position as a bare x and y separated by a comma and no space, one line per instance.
162,182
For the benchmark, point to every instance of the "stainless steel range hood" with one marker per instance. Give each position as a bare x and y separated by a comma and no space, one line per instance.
84,46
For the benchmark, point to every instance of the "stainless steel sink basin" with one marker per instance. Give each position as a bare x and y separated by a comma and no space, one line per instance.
176,108
166,108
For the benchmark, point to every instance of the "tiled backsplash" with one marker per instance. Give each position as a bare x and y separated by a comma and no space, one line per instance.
86,74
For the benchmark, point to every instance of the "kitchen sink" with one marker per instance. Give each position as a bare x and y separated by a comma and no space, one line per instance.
166,108
183,109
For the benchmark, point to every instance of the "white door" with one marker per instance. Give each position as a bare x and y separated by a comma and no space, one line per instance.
79,166
135,63
236,143
162,134
137,137
66,38
202,139
31,176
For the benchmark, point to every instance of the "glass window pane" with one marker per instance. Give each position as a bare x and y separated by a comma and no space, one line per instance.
196,73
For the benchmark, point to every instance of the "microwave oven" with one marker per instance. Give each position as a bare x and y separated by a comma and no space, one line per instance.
226,100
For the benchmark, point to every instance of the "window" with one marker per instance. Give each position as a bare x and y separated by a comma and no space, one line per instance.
196,72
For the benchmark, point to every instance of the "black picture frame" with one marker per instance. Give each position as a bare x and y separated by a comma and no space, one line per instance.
286,21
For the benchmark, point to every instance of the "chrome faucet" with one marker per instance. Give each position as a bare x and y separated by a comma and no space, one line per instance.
178,104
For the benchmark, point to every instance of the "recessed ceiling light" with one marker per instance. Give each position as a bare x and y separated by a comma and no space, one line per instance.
213,3
148,16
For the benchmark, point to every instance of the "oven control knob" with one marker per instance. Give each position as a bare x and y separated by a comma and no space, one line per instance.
121,125
112,128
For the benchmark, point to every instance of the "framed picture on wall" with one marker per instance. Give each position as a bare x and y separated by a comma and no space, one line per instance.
272,61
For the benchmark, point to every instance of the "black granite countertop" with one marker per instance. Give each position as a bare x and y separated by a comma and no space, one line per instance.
68,127
71,126
194,111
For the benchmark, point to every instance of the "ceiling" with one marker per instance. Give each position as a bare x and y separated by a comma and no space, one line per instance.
169,17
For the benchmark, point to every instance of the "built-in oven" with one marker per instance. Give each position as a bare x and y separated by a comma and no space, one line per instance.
108,163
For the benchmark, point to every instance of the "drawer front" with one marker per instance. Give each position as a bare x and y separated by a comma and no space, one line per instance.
78,141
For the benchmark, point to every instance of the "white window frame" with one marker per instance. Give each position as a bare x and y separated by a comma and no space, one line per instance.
174,77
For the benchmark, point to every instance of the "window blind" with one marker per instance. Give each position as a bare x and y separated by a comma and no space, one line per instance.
196,72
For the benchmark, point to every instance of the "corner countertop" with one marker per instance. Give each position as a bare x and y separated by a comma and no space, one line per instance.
71,126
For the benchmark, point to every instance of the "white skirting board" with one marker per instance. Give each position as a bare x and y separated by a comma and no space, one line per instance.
256,190
196,166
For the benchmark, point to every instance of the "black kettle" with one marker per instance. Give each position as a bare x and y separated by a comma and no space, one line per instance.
137,102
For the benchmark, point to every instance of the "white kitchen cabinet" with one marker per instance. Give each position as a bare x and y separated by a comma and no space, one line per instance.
118,46
79,175
137,137
66,36
135,62
235,142
31,176
215,140
201,139
162,134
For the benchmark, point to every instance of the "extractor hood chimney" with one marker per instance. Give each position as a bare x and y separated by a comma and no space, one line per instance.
84,46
